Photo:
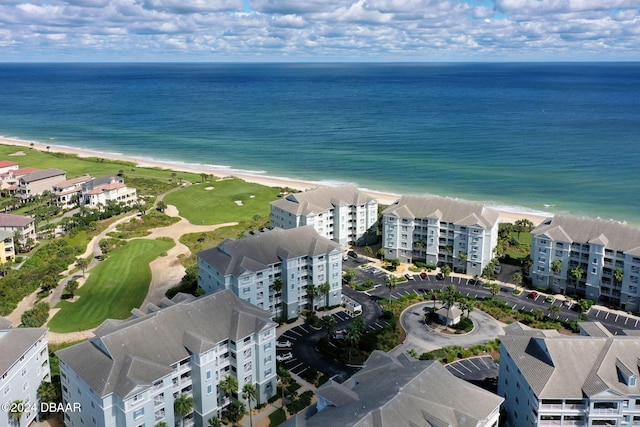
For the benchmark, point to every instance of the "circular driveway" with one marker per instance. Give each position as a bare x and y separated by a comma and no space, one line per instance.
423,339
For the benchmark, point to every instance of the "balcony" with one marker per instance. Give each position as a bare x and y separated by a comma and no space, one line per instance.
565,423
559,407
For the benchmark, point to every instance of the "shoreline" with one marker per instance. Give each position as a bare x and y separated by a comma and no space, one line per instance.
506,214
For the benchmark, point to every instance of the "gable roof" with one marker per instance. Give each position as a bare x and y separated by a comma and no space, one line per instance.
7,163
609,233
255,253
444,209
404,391
570,367
10,220
136,352
15,343
42,174
323,199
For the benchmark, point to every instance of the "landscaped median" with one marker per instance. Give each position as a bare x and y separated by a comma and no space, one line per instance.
115,287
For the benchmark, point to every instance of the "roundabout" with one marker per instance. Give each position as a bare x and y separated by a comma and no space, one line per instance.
423,338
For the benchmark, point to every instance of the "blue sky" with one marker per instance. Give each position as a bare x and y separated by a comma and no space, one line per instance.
319,30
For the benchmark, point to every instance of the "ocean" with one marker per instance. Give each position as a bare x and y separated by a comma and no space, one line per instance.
527,137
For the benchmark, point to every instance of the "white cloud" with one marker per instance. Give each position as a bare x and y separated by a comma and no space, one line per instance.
322,29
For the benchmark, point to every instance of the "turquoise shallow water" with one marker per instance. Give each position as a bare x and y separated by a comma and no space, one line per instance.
541,137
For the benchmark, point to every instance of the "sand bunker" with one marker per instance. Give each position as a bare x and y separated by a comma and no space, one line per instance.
209,188
18,153
238,202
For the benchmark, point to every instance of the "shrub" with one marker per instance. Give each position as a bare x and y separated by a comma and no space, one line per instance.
37,316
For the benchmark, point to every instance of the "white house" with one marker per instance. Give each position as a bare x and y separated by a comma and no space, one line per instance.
549,379
69,193
25,225
255,267
402,391
602,250
343,214
24,364
98,191
439,230
131,373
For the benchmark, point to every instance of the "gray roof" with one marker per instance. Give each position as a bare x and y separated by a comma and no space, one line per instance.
445,209
5,323
15,343
594,329
401,391
98,182
322,199
10,220
572,367
609,233
255,253
42,174
128,355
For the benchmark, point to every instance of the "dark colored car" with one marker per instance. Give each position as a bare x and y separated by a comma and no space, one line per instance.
352,254
440,276
424,276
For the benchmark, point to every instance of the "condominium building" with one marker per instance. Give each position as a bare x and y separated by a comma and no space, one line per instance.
7,248
273,269
36,183
10,175
99,191
24,226
343,214
132,372
402,391
592,258
439,230
549,379
24,364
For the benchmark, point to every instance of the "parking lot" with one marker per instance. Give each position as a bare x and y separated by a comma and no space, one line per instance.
474,368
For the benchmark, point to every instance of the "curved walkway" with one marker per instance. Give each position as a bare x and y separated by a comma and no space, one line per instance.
423,339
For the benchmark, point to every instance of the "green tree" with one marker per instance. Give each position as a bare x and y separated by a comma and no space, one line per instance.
494,289
229,386
214,422
556,266
237,410
329,323
517,279
15,412
445,270
249,393
277,286
391,282
618,275
161,424
312,293
538,314
350,276
161,206
522,226
585,305
324,289
82,264
71,287
285,379
183,406
381,253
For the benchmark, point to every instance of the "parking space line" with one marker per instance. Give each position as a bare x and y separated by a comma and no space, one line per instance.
626,319
302,327
597,313
465,366
294,367
514,306
474,365
456,369
484,360
607,316
636,323
616,319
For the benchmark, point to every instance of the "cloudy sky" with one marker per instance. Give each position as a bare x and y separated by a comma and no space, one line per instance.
319,30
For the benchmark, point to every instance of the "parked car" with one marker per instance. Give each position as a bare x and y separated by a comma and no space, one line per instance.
284,357
352,254
440,276
424,276
533,295
345,257
409,276
281,344
550,299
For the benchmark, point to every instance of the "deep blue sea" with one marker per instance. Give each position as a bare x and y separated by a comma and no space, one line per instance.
551,137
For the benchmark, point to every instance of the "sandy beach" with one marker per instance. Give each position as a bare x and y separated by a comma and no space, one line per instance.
383,198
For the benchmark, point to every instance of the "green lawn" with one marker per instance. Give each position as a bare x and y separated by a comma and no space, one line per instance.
75,166
114,288
277,417
202,205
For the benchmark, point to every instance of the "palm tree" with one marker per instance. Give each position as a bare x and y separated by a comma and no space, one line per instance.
381,253
554,310
449,299
391,282
329,323
249,393
517,279
183,406
445,270
352,337
15,414
618,275
229,385
367,250
161,206
82,264
214,422
284,377
494,288
577,273
277,287
312,293
17,240
324,289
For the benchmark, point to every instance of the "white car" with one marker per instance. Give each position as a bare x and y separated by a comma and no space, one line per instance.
284,357
281,344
